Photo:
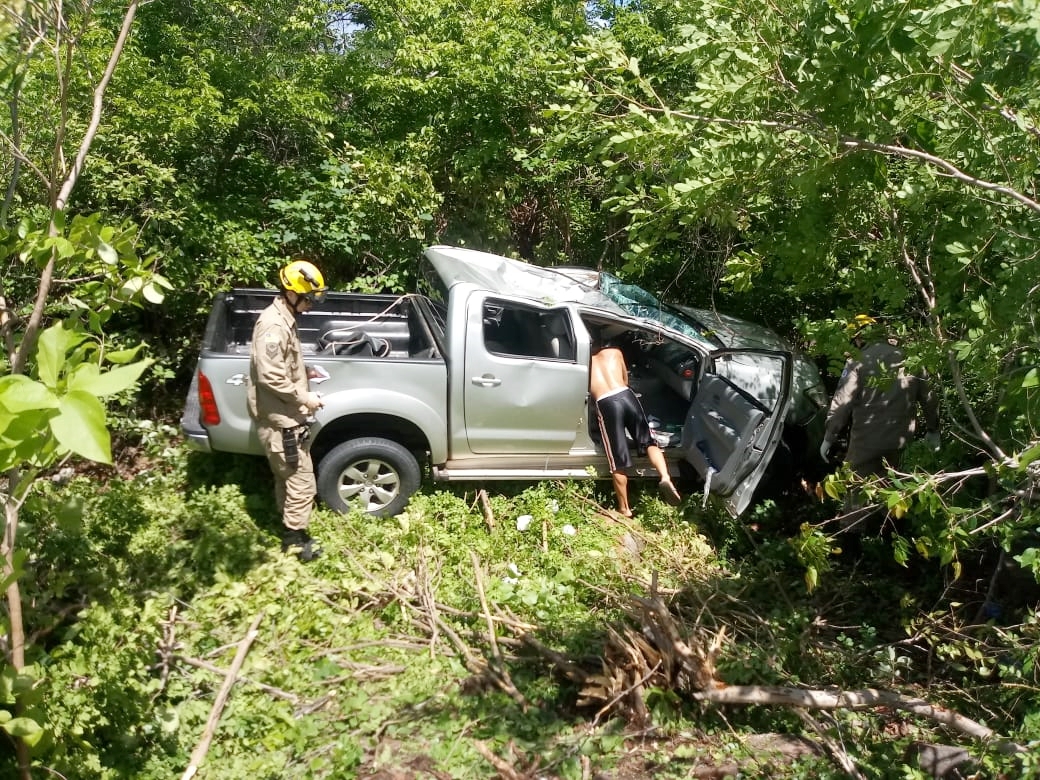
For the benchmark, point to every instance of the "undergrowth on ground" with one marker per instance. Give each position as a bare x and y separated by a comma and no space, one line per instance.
376,656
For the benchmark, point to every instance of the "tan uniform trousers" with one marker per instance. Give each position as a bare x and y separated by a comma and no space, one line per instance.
294,488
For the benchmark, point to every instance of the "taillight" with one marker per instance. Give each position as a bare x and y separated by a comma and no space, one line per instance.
686,373
208,402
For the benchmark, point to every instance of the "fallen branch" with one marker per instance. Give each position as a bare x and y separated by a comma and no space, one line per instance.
199,753
703,686
507,771
837,752
198,663
655,654
867,698
499,668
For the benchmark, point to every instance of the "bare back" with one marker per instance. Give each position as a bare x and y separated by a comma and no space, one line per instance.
607,372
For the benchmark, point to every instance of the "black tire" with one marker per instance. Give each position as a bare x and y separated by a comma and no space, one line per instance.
377,475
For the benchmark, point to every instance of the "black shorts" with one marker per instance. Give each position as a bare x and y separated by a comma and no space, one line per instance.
620,412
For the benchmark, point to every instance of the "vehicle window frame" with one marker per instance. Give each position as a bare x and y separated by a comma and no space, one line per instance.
515,330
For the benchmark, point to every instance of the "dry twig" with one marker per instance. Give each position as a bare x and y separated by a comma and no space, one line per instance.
198,755
489,516
838,753
499,669
198,663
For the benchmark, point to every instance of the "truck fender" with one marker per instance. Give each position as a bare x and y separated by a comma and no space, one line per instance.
389,403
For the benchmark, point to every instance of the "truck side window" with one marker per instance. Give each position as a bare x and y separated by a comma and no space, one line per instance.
514,330
557,327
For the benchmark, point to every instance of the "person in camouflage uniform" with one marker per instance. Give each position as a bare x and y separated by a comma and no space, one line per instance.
281,401
877,398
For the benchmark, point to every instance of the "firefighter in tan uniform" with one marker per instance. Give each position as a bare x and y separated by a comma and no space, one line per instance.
879,397
281,401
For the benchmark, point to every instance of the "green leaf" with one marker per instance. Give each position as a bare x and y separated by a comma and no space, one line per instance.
107,253
1028,456
131,287
55,343
80,427
20,393
1031,379
88,378
24,728
64,247
123,355
152,293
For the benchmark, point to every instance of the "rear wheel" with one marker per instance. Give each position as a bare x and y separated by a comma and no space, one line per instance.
375,475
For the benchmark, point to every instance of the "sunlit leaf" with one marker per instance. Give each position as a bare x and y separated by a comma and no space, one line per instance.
811,578
107,253
152,293
24,728
1029,455
104,384
80,427
52,349
19,393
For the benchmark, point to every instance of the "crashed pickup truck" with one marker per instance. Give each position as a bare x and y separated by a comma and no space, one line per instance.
484,375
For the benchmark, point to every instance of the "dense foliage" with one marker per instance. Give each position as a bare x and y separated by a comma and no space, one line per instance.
797,163
360,664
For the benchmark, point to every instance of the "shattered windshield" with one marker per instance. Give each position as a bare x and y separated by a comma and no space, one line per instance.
641,303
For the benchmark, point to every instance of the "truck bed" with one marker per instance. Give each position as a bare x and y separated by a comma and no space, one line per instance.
341,325
353,337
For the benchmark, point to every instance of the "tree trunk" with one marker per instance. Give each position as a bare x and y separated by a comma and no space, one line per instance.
16,636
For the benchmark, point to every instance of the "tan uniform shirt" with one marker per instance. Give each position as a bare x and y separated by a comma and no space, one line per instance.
278,383
881,399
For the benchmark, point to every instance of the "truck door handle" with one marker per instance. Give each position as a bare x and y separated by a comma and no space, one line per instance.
236,380
486,381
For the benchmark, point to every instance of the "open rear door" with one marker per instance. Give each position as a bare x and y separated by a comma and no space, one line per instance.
735,421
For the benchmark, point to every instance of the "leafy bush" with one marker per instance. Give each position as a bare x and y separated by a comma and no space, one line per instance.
145,588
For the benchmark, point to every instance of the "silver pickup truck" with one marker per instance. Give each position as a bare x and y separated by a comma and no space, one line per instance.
485,376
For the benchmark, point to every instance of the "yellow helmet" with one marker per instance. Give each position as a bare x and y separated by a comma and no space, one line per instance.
859,323
862,320
304,279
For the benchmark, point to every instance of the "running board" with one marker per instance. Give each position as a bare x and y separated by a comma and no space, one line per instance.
442,474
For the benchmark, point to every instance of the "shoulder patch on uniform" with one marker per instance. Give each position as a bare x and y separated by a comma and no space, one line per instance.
271,347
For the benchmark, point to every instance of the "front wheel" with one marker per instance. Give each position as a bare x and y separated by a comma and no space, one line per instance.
376,475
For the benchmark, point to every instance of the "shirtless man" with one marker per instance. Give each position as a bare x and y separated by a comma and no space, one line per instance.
619,410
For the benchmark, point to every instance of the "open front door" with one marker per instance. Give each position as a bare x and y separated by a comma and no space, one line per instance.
735,421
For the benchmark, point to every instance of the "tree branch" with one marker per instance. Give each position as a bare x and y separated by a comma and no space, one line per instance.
867,698
35,320
199,753
958,383
943,165
819,134
95,117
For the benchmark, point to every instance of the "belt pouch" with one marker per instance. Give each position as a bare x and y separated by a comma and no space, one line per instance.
290,447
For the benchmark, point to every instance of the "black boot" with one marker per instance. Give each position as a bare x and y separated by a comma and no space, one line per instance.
301,543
